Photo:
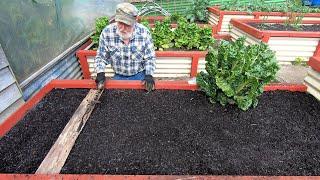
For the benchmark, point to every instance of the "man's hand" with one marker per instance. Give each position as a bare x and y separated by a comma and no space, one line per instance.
148,83
100,79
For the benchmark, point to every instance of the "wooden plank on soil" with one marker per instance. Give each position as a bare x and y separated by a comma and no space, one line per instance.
58,154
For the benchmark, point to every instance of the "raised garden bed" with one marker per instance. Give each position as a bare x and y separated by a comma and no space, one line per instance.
312,80
24,147
168,63
288,45
194,105
189,136
221,19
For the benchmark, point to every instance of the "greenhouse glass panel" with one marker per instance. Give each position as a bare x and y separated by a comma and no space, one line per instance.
33,32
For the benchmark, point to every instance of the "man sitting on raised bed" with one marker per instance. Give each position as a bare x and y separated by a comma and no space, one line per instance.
128,47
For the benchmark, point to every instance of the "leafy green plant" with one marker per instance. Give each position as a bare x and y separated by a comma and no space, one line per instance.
294,20
175,17
187,35
299,61
198,11
236,73
191,36
163,35
206,39
101,23
145,23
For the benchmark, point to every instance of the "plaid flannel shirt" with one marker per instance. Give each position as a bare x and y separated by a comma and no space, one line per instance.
129,59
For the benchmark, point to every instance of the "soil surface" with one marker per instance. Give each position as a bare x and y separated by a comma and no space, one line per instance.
282,27
24,147
181,133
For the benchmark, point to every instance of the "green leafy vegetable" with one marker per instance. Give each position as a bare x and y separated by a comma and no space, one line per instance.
198,11
163,35
101,23
264,6
236,73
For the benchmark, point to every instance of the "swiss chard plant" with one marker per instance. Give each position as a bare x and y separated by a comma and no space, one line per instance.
236,73
100,23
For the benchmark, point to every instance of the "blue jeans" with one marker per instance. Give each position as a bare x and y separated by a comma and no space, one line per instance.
138,76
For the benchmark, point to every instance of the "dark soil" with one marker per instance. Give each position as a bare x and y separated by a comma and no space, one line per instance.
181,133
283,27
24,147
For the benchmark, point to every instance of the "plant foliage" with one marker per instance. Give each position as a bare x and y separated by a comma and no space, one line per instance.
198,11
101,23
236,73
263,6
163,35
186,36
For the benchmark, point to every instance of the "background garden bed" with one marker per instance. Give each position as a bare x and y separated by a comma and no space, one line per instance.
24,147
180,132
221,18
288,45
168,63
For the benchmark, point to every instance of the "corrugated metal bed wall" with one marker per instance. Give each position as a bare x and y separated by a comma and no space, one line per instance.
65,66
10,93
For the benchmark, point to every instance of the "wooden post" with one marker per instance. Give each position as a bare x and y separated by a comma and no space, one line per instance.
58,154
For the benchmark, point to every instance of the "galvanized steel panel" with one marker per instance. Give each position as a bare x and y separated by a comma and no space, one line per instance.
293,48
312,81
8,96
11,109
6,78
237,33
10,93
293,41
202,65
227,18
213,19
67,67
165,67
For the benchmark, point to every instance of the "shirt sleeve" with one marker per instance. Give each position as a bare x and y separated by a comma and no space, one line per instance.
149,56
103,56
